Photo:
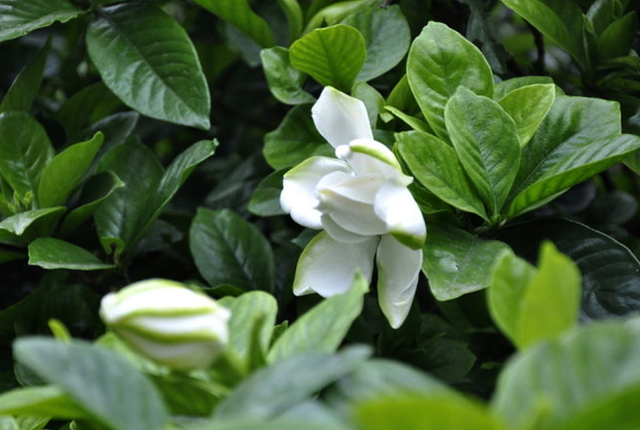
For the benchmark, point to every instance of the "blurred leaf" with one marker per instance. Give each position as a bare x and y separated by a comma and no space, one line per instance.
265,200
324,327
30,224
440,60
285,82
43,401
117,394
85,107
26,85
149,62
333,56
51,254
372,99
19,17
618,38
184,395
528,106
293,12
386,35
231,251
457,262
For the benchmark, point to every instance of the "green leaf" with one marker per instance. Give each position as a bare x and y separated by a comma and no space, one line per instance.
560,21
271,390
239,14
411,412
503,88
435,164
61,175
51,254
485,138
19,17
265,200
231,251
295,140
149,62
26,85
295,18
323,328
186,396
588,373
617,39
456,262
285,82
579,138
610,271
440,60
333,56
44,401
24,151
33,223
116,394
85,107
386,35
532,305
528,106
372,99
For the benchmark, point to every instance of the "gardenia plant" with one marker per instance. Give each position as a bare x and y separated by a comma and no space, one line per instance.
168,323
361,201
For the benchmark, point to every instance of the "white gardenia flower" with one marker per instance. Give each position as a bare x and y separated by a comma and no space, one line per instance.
168,323
361,201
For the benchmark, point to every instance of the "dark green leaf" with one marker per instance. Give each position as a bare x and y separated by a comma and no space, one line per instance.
265,200
50,253
26,85
149,62
617,39
293,12
229,250
440,60
285,82
87,106
117,394
333,56
19,17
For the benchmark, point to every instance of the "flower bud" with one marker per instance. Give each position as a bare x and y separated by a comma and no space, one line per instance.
168,322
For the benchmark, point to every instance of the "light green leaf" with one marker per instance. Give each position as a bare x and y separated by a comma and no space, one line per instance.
456,262
33,222
149,62
24,151
528,106
503,88
44,401
239,14
333,56
19,17
295,140
61,175
436,166
323,328
231,251
485,138
413,122
51,254
27,84
265,200
440,60
285,82
117,394
386,35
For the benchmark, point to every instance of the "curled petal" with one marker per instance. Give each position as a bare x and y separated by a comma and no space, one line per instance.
367,156
395,205
298,195
398,271
328,267
340,118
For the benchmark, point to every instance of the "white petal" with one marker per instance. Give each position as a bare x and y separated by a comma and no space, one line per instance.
338,233
367,156
340,118
298,195
328,267
398,271
352,215
395,205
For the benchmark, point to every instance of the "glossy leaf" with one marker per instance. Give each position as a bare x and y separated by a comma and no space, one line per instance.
323,328
435,164
239,14
149,62
386,35
528,106
457,262
285,82
503,88
51,254
295,140
24,151
486,141
87,106
265,200
61,175
440,60
117,395
26,85
32,223
18,17
44,401
230,251
617,39
578,139
333,56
